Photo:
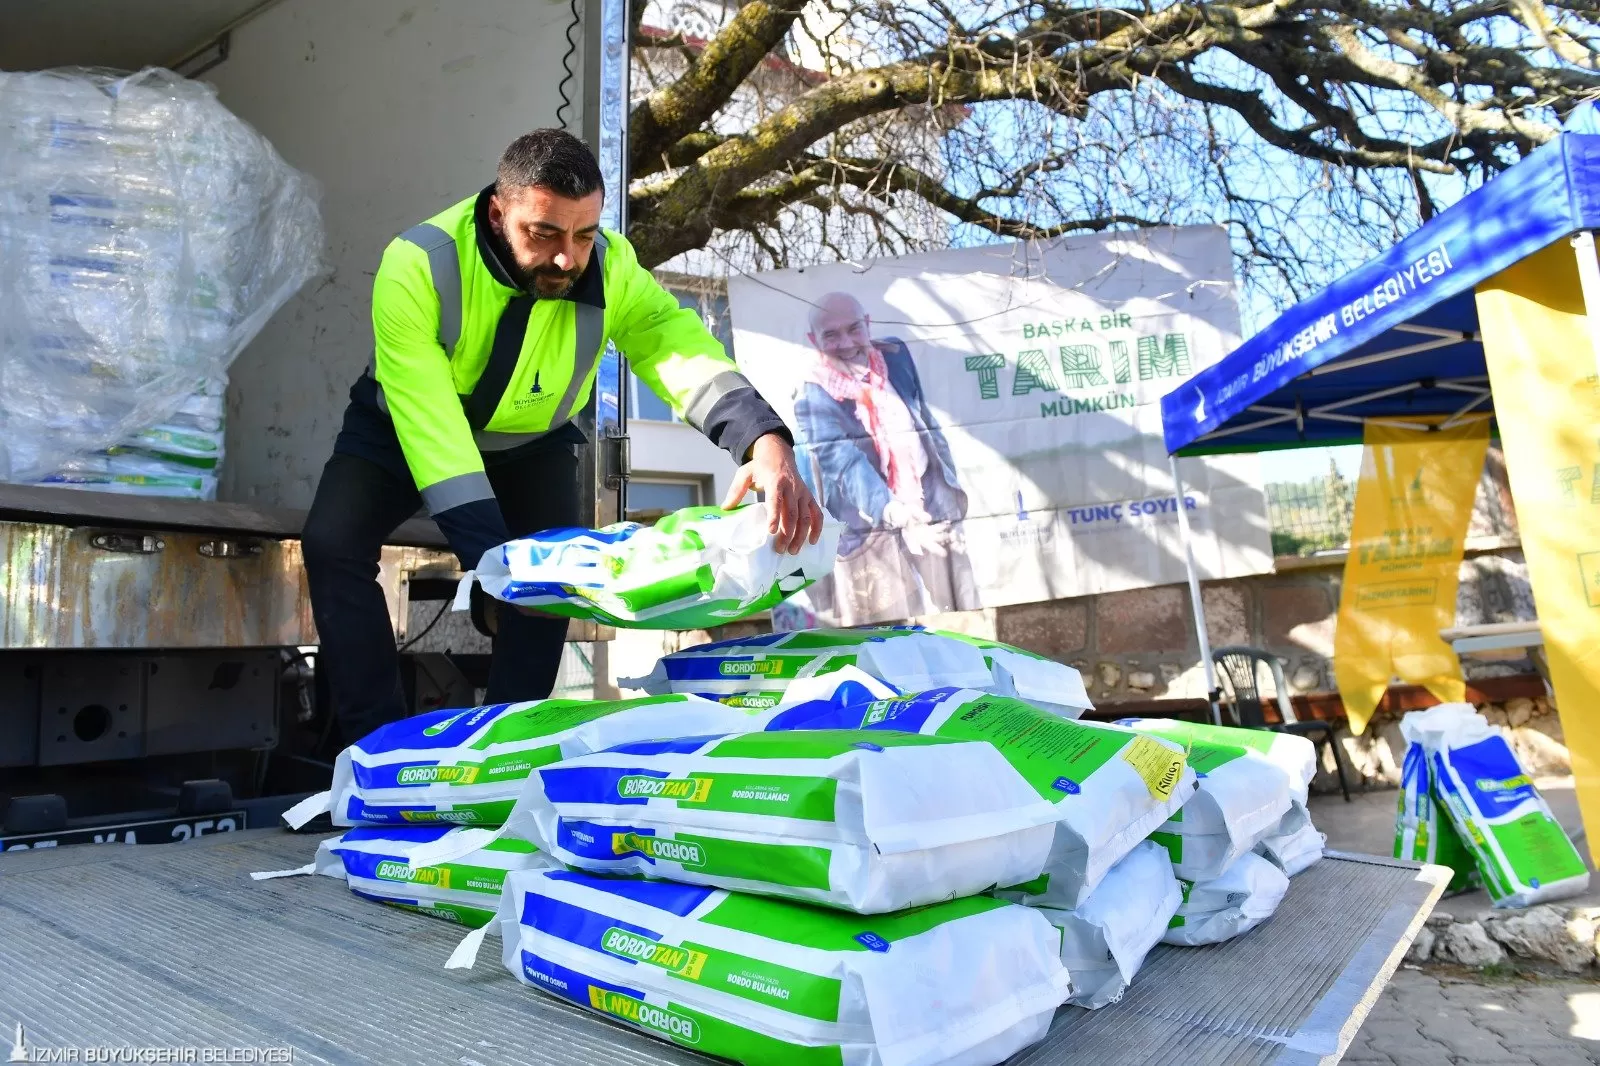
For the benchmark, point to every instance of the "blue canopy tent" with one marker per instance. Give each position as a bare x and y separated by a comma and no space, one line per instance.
1398,336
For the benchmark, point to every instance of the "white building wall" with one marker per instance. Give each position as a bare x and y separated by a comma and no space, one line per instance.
674,449
399,110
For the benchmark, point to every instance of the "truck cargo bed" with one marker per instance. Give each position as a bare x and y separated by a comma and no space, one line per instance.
174,946
79,507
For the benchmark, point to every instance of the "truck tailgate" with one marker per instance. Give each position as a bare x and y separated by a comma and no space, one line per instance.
76,507
174,946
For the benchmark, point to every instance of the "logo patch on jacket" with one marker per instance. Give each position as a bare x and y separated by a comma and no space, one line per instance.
533,397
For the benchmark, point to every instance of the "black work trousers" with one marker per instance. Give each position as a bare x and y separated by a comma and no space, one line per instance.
359,503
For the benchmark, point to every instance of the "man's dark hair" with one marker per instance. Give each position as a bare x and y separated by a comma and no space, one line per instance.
550,159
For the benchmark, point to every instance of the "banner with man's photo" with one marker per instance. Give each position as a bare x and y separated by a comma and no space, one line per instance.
985,421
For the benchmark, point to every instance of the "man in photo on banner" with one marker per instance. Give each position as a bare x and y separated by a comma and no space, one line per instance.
876,458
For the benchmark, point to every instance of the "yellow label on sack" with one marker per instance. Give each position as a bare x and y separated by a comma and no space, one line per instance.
433,876
683,789
685,962
435,775
669,1023
1158,765
683,852
467,815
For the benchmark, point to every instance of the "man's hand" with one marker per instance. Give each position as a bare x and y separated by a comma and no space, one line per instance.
898,515
795,517
920,538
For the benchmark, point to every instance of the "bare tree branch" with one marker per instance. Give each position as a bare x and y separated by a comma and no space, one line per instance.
799,131
672,112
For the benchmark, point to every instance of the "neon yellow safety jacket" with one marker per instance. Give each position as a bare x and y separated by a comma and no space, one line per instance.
466,363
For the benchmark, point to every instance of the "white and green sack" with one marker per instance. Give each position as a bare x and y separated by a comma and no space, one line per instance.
177,444
698,567
467,767
1294,755
1213,911
1241,800
771,983
376,862
1295,846
757,671
1523,854
1109,787
1422,829
868,821
1105,941
94,474
1043,682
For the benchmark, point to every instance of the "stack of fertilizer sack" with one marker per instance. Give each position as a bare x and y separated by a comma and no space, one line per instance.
1232,848
1496,830
823,880
1246,832
435,780
759,895
886,846
179,458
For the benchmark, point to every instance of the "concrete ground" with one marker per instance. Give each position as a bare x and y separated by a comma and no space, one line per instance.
1433,1018
1439,1016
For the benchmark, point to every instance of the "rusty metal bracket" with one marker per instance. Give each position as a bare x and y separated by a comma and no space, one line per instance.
225,548
616,457
125,542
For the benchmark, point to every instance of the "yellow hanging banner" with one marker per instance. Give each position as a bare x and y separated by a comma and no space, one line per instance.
1413,503
1547,401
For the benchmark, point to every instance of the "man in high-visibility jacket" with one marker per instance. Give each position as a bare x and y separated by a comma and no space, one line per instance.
488,323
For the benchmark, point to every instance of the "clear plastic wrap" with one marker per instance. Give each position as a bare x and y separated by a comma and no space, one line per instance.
146,236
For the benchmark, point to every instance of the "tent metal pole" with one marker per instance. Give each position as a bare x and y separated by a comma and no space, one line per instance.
1589,278
1194,593
1393,353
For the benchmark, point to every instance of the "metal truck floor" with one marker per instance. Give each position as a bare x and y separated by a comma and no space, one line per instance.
174,946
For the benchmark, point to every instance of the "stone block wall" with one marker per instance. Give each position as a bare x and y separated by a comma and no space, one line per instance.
1140,644
1532,727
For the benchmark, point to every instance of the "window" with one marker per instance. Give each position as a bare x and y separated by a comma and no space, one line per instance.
644,404
714,311
650,498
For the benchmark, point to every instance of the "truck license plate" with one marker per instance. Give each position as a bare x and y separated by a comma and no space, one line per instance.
160,831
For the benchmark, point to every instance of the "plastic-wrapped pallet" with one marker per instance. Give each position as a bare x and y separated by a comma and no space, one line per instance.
771,983
1522,853
149,235
1105,940
757,671
695,568
181,459
174,445
204,410
865,820
376,862
1247,894
468,767
1110,787
101,473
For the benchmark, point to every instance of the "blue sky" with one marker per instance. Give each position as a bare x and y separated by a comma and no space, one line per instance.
1303,464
